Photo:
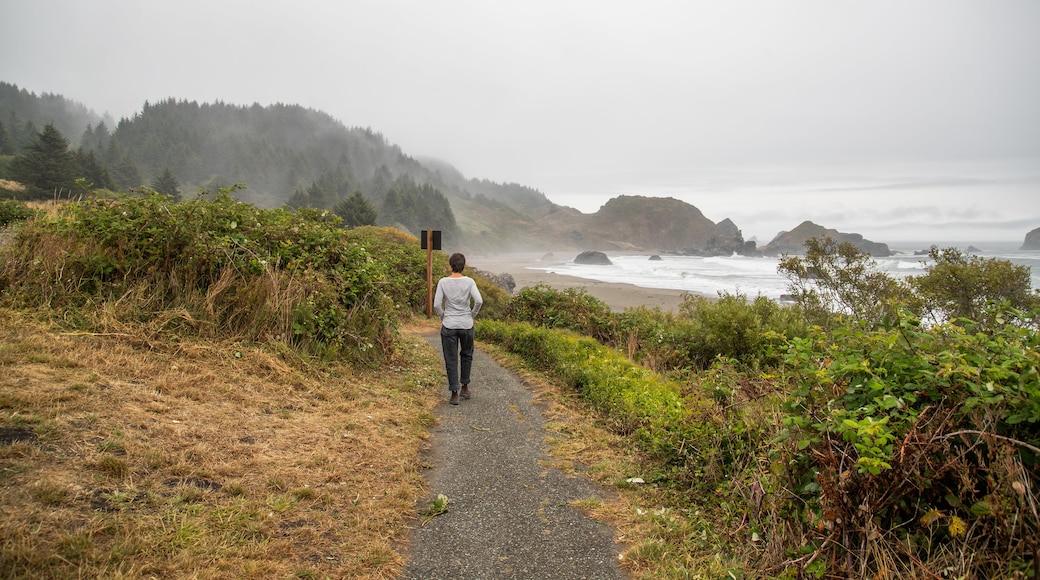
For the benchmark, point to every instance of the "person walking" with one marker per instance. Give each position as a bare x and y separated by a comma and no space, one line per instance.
457,301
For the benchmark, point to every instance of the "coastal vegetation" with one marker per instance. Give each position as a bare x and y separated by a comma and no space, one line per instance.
833,437
878,428
225,383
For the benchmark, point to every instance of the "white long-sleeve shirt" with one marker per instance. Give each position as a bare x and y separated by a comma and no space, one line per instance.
452,302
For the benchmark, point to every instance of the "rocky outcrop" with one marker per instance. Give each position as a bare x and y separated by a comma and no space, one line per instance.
503,281
793,242
594,258
657,224
1032,241
728,228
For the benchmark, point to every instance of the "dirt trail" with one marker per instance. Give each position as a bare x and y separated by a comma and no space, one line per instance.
508,515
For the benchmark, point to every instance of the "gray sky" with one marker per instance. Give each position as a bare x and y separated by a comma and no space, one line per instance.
901,120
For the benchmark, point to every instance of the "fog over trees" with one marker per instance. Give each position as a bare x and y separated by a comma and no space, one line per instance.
284,155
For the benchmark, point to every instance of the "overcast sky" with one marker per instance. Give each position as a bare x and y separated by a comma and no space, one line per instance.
897,119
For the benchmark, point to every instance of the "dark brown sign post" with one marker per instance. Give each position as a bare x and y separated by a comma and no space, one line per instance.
431,240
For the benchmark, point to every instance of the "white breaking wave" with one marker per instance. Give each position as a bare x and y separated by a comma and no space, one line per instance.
751,276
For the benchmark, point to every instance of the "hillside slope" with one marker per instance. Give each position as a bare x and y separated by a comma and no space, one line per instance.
288,154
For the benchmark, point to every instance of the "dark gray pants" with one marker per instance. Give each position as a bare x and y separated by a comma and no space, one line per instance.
457,344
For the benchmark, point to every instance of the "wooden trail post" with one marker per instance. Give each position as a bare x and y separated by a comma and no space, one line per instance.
431,240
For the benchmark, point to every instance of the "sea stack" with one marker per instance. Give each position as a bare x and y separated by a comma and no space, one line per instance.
793,242
1032,241
593,257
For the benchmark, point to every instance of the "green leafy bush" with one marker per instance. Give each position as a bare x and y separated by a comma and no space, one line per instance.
730,327
956,285
399,265
931,436
12,211
833,282
572,309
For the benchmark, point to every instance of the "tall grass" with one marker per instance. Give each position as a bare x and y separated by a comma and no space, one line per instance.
215,267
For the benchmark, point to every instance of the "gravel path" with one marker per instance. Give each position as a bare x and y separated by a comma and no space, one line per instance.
508,516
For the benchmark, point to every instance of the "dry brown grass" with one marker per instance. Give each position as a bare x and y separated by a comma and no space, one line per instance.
13,186
122,457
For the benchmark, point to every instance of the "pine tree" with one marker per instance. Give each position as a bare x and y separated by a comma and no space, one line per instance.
298,199
6,144
396,211
89,168
167,184
124,172
47,167
356,210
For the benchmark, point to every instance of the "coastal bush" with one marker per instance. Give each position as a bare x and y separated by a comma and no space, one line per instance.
209,266
752,332
906,446
956,285
12,211
571,308
399,265
834,282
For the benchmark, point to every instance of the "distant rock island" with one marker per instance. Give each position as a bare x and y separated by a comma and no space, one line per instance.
793,242
1032,241
638,224
593,257
659,224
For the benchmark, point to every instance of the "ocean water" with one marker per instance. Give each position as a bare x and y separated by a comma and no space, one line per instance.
758,276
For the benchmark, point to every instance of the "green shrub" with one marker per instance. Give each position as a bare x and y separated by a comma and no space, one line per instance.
571,309
751,333
930,435
12,211
399,264
956,285
730,327
834,282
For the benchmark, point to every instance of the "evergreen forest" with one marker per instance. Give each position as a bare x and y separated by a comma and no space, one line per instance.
284,156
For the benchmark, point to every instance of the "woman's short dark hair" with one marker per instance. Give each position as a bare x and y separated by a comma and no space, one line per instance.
457,262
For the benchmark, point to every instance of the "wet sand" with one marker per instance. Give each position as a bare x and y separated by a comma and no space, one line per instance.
617,296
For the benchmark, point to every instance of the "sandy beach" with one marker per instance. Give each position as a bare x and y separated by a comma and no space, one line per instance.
617,296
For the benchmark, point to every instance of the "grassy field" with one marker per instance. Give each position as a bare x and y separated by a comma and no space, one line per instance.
123,457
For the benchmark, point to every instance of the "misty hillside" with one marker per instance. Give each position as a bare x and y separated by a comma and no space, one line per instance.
288,155
23,114
283,154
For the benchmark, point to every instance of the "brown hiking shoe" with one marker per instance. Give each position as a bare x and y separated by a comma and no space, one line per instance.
465,394
454,398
